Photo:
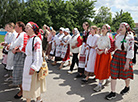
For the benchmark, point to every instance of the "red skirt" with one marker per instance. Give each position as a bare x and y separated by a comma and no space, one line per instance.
102,66
67,56
117,66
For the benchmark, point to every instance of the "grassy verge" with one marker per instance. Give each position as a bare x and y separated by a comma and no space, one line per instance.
1,40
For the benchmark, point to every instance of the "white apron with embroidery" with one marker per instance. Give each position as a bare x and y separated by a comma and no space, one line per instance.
37,63
64,48
58,39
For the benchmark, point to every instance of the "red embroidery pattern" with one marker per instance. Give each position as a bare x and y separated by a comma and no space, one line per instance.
37,46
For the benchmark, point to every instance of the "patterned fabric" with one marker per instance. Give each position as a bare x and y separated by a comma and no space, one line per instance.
19,59
117,66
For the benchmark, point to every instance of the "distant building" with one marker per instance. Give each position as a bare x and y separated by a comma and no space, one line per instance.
136,28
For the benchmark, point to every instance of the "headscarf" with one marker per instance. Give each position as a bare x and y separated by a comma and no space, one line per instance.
34,26
108,27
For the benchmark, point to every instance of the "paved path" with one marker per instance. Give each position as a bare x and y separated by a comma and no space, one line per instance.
63,87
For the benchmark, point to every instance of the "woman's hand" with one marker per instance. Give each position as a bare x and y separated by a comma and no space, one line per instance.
3,43
126,67
106,51
14,51
73,47
99,52
31,72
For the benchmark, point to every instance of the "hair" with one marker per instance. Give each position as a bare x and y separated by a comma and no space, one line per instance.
95,28
122,46
87,24
133,32
11,24
21,24
53,31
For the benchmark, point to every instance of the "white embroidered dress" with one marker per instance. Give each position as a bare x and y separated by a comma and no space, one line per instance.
36,64
91,53
10,57
58,39
65,41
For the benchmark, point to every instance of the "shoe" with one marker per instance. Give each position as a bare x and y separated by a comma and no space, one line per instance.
125,90
8,79
78,76
17,97
84,80
6,75
98,88
39,100
70,72
107,82
12,85
61,65
53,63
110,96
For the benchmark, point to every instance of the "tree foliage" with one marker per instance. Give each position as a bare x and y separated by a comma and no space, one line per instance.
60,13
122,17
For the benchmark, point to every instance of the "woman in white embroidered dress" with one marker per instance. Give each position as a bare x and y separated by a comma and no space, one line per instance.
57,41
90,53
32,87
65,52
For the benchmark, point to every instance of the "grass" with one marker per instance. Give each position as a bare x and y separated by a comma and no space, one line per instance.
1,40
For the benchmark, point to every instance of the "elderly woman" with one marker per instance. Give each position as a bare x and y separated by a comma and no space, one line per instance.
57,41
75,44
121,64
32,87
65,52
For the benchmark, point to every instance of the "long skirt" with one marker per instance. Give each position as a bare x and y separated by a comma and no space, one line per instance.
10,61
49,46
67,56
117,66
44,44
82,58
37,87
90,62
102,66
17,74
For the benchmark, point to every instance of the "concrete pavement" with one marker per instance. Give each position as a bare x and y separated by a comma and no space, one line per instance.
63,87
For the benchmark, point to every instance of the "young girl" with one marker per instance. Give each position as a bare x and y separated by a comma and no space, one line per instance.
90,53
102,65
81,67
121,64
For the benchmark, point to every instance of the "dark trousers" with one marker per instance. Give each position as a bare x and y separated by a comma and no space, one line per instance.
74,60
135,52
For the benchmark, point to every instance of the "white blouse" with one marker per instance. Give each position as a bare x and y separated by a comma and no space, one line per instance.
104,42
128,44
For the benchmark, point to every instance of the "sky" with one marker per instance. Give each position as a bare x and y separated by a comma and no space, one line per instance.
130,6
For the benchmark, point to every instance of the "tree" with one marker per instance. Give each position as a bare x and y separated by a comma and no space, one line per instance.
122,17
36,11
103,16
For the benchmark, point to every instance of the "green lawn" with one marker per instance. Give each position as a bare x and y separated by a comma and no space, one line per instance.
1,40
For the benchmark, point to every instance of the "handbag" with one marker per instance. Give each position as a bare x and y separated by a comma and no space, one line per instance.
43,72
4,51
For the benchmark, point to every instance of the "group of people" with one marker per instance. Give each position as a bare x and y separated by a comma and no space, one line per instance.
21,62
96,53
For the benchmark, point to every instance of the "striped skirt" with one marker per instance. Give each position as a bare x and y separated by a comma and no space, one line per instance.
117,66
18,68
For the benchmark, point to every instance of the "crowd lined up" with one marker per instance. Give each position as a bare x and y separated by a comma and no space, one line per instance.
96,53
